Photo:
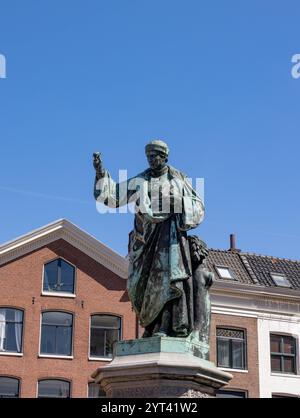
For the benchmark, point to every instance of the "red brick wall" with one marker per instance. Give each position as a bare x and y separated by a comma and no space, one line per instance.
98,290
244,381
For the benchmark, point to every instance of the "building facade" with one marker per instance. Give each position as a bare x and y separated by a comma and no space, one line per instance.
63,303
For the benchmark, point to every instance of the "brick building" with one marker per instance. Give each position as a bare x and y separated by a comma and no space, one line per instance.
63,302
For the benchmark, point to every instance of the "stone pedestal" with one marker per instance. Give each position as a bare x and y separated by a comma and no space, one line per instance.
160,367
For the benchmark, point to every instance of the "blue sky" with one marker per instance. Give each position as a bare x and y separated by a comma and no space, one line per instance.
211,78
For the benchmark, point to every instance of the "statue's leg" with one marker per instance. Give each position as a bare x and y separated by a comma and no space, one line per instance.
162,327
182,310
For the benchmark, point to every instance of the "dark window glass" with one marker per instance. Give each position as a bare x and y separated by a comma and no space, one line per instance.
230,394
9,387
95,391
56,333
231,348
283,354
53,389
59,277
11,328
105,331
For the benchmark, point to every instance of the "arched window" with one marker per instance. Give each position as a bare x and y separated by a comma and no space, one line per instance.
53,388
59,276
56,335
105,331
11,329
9,387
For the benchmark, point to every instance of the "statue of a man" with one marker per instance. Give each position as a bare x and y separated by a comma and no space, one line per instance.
160,282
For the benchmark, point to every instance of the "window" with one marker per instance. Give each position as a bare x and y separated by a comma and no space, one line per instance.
225,273
95,391
53,388
231,348
283,354
105,330
231,394
59,277
11,328
56,336
9,387
280,280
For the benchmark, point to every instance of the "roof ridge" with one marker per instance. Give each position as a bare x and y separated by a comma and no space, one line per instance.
269,256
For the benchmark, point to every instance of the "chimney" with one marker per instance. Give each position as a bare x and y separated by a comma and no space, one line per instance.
233,243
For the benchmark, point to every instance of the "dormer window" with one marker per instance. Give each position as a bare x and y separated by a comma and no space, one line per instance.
59,277
225,273
280,280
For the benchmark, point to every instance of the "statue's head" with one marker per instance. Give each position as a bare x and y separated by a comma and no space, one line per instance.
157,152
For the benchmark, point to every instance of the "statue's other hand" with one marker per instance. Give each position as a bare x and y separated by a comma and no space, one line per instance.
209,278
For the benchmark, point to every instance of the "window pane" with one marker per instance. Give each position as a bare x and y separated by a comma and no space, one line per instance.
105,321
288,345
56,333
276,363
238,354
54,389
9,388
59,277
57,318
67,277
288,364
223,353
95,391
11,325
97,342
64,340
51,276
48,340
230,394
275,343
111,338
224,273
105,331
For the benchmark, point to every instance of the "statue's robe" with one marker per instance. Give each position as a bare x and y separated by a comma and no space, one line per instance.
159,259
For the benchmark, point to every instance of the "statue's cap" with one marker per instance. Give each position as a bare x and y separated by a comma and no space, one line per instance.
159,145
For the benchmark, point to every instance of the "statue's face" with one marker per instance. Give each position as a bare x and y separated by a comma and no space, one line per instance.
156,159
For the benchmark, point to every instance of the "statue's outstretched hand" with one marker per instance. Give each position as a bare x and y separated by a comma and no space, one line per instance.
97,163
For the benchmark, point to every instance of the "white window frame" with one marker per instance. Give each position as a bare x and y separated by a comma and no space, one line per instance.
12,353
59,294
90,334
57,356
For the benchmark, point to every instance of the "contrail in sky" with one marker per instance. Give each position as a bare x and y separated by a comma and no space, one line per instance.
43,196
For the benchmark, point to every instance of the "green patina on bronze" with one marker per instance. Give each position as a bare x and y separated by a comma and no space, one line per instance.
167,281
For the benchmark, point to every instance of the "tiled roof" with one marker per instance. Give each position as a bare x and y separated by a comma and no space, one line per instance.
262,266
253,268
233,261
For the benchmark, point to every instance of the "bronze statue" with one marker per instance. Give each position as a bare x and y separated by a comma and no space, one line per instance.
168,280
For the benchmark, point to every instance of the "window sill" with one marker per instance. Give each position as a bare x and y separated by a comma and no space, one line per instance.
59,294
233,370
56,356
100,359
286,375
8,353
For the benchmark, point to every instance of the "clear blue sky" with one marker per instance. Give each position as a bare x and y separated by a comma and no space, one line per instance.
211,78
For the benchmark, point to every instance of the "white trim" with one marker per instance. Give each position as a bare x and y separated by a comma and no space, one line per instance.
55,356
292,375
11,353
59,295
63,229
100,359
233,370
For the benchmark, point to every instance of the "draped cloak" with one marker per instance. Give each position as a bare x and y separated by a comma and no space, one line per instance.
159,257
